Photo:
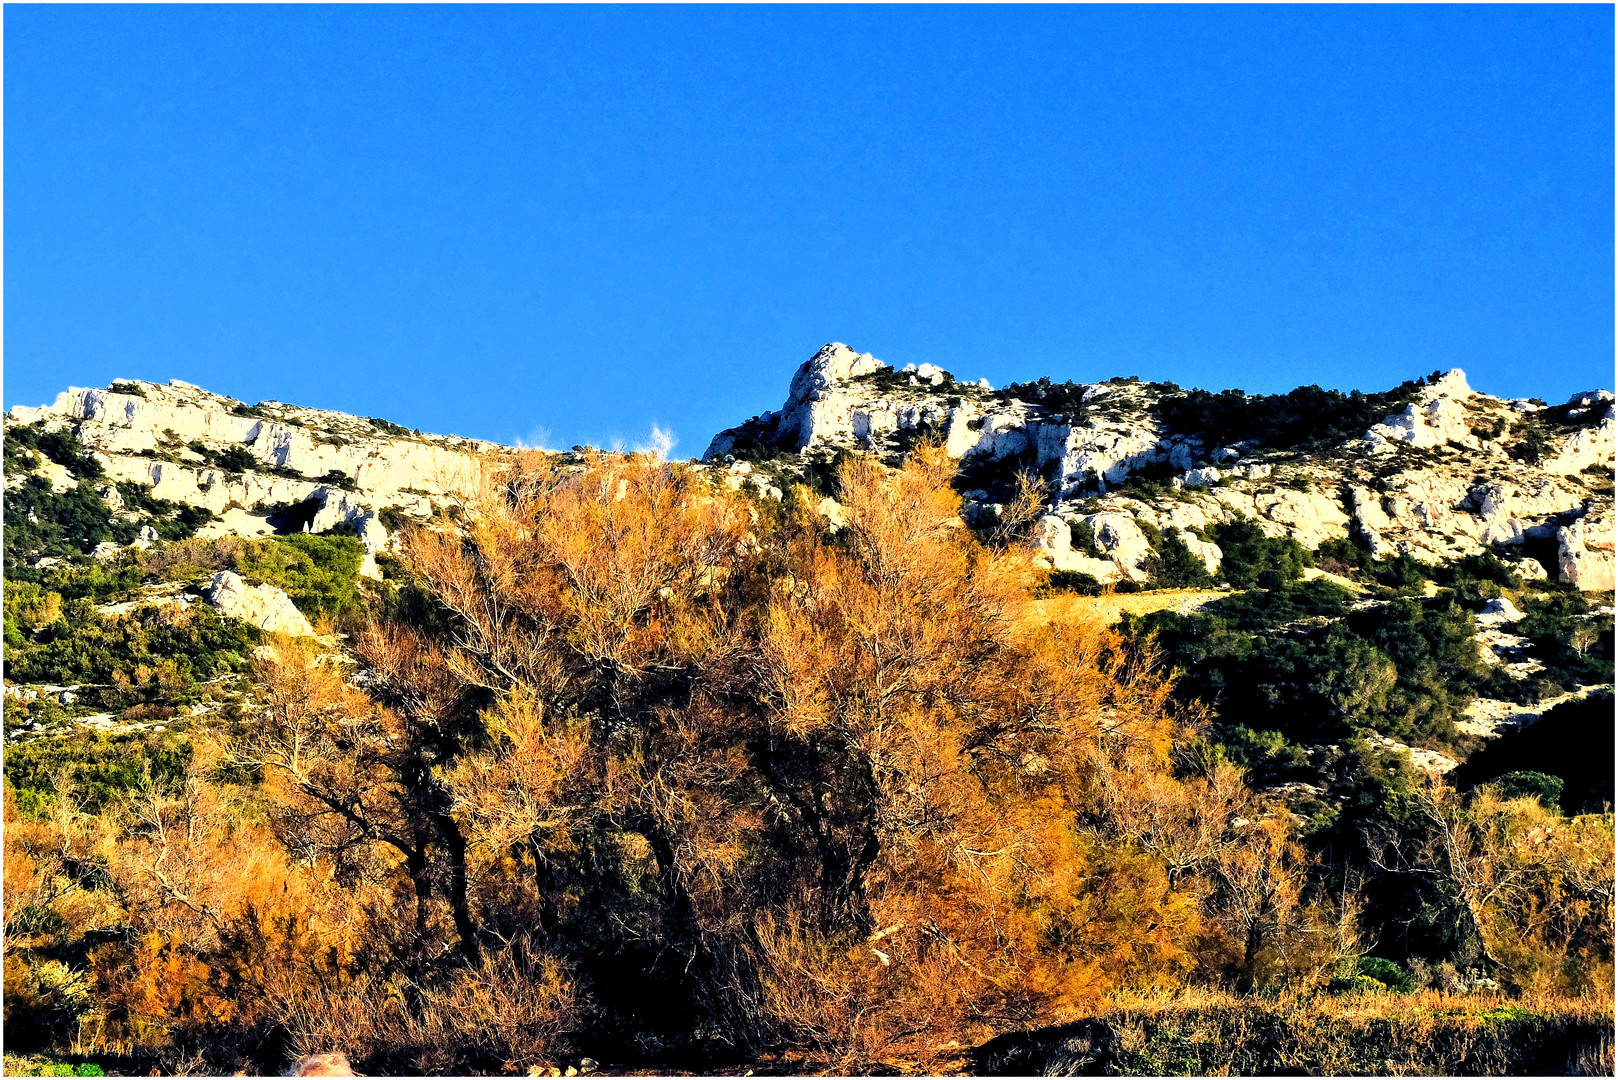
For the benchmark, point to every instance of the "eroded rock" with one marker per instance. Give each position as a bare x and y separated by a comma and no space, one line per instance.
264,606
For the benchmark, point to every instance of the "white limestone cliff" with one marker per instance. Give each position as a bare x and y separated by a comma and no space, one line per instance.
1436,480
1584,554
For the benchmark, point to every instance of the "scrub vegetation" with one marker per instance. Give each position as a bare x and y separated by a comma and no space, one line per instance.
638,767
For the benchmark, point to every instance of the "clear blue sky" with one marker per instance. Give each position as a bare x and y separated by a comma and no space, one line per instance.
580,220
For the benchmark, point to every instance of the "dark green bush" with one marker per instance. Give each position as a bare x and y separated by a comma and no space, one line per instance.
1301,417
339,479
1174,565
1252,558
61,446
1084,540
1074,581
388,427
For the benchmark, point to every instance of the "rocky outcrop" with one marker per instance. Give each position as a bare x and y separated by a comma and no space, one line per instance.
841,399
1584,552
1586,446
1054,550
328,469
1437,480
1438,418
313,442
264,606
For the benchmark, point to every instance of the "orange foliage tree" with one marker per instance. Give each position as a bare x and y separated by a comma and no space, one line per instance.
753,775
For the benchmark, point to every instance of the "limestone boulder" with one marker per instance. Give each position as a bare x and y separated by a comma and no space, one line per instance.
1121,541
1498,612
1053,549
1310,517
1204,477
1530,570
264,606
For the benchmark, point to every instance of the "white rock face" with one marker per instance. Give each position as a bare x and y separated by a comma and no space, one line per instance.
1122,541
1418,484
309,441
1436,419
1080,458
1205,550
264,606
1587,446
818,408
1585,552
1452,495
1207,477
1054,549
831,404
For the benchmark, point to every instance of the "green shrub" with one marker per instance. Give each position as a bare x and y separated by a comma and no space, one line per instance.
319,573
1387,973
388,427
1084,540
1301,417
61,446
339,479
171,520
1074,581
1533,442
1174,565
393,519
102,768
41,521
1296,660
235,459
1252,558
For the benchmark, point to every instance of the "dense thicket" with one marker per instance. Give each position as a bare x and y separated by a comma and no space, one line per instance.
1303,416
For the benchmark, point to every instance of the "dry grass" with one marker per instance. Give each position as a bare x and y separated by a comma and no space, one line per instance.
1108,607
1426,1034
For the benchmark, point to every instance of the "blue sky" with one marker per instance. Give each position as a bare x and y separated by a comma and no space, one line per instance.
567,223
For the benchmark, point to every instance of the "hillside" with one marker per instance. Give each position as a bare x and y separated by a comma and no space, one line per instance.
512,723
1507,505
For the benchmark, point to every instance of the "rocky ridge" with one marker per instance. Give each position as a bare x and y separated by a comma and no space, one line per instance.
263,468
1451,472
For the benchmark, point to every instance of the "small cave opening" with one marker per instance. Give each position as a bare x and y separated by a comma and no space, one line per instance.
296,517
